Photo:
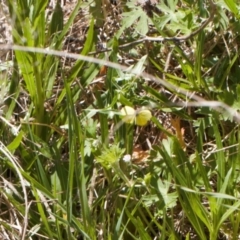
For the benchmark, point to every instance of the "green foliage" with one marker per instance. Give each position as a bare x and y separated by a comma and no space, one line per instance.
72,169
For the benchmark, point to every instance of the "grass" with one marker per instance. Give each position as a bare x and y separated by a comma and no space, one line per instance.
71,168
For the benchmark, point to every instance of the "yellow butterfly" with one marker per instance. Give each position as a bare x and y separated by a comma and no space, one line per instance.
139,117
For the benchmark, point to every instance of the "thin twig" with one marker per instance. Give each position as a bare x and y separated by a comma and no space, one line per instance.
198,101
164,39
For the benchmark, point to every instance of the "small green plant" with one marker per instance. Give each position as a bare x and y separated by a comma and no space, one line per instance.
67,127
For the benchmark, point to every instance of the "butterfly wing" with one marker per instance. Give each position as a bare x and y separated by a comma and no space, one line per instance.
128,114
142,117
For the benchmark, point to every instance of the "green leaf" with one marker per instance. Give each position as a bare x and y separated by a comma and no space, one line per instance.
16,142
87,47
232,6
56,23
128,19
142,25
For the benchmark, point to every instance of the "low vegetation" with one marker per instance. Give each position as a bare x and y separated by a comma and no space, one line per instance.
119,120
